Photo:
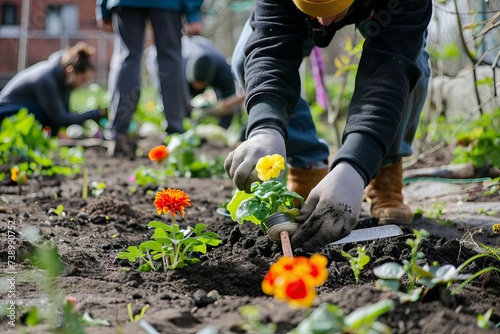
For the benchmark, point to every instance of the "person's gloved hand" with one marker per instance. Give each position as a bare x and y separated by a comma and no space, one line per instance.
240,163
331,210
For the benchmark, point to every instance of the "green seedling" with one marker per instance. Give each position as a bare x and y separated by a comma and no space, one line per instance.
58,211
479,146
266,198
429,276
483,320
436,211
486,212
171,246
184,161
136,317
24,142
390,273
357,262
329,318
61,312
493,187
434,275
254,318
490,252
97,188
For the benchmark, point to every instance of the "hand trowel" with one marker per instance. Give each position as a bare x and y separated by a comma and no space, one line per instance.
370,233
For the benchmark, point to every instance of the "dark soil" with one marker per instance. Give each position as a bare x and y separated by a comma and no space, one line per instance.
93,231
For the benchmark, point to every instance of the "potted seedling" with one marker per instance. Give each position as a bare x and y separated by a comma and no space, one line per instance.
269,204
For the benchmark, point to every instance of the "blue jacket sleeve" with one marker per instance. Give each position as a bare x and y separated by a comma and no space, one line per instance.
101,12
192,10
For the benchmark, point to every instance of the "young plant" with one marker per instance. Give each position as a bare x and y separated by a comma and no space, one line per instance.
253,323
390,273
61,312
170,244
269,195
136,317
483,320
23,142
490,252
294,279
357,262
58,211
479,145
436,211
97,188
329,318
429,276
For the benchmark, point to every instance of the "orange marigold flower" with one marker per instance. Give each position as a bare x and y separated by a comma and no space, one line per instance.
295,292
171,200
293,279
158,153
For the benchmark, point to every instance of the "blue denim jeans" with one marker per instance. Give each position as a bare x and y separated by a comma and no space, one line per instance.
305,148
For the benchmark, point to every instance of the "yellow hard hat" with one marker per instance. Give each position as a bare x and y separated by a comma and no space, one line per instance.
323,8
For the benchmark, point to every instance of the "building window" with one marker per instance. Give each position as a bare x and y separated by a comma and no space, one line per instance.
61,18
9,15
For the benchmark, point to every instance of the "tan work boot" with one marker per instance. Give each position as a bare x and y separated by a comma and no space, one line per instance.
302,181
385,196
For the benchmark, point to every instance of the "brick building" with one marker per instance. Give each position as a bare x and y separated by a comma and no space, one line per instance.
52,25
55,24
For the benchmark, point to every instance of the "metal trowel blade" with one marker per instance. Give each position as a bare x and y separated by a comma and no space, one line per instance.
370,233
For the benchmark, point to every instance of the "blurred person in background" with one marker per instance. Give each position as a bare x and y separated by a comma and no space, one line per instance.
44,88
127,19
204,66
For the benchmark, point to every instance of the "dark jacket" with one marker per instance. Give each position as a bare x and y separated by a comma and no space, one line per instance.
394,32
222,81
189,8
42,86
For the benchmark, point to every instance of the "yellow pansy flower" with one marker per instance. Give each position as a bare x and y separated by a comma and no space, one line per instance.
270,166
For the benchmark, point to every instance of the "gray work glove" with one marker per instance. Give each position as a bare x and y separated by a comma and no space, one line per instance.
240,163
331,210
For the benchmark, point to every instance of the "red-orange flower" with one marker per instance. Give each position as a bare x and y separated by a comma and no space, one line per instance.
171,200
158,153
293,279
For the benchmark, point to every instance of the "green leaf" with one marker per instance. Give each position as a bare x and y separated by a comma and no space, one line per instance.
235,202
252,209
151,245
131,254
199,228
388,284
157,224
48,259
365,316
325,319
389,270
32,317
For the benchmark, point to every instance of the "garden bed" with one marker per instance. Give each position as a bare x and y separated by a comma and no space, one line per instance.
208,296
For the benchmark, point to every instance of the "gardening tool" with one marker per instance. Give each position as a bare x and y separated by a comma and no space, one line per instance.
370,233
280,226
282,229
